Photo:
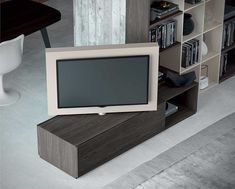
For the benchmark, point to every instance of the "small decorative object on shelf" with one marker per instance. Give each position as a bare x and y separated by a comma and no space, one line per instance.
162,9
170,109
188,24
192,1
204,49
164,34
204,80
190,53
175,80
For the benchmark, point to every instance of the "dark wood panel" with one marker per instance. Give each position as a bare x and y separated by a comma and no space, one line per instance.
183,113
77,129
137,20
166,93
119,139
57,152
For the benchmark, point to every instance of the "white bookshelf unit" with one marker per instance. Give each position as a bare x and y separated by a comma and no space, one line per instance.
208,27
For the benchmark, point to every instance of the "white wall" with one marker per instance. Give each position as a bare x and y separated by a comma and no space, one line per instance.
99,22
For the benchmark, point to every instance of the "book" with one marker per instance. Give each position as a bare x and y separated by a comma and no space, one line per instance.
163,7
156,17
164,34
160,9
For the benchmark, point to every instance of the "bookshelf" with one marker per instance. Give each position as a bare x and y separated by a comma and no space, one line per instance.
228,51
208,20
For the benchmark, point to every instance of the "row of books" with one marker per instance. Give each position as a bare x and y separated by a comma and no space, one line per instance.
228,34
224,63
190,53
160,9
164,34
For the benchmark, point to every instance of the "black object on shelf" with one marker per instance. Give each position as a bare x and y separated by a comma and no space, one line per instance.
188,24
175,80
170,109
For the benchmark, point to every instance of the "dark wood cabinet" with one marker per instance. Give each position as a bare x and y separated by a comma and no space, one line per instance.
77,144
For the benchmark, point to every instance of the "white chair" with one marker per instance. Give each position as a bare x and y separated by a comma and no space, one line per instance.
10,58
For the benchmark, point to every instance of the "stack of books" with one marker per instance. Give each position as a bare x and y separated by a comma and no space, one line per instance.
190,53
164,34
162,9
228,34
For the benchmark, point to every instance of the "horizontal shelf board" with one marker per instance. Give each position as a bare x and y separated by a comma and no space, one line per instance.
183,70
182,113
191,36
227,20
211,85
226,49
162,20
166,93
171,46
210,55
188,6
211,25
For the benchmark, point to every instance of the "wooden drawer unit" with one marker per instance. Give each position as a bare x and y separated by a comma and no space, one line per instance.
79,143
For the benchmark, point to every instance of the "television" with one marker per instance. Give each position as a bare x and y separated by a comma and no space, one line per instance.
102,79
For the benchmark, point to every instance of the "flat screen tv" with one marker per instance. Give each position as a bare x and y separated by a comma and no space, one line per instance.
102,79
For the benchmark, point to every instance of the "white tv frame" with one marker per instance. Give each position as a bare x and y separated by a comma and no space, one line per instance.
53,54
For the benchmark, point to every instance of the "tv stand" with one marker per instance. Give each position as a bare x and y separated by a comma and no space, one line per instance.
77,144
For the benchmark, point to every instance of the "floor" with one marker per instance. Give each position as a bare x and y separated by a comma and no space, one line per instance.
210,167
205,161
20,165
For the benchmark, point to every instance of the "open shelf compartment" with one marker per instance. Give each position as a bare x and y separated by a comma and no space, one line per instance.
213,65
214,10
211,39
230,66
197,17
184,97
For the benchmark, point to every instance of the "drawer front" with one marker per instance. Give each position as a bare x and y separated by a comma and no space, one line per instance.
119,139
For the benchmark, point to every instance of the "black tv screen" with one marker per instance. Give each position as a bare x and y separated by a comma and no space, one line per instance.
101,82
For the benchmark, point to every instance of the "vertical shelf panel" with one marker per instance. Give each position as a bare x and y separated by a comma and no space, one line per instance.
137,21
171,57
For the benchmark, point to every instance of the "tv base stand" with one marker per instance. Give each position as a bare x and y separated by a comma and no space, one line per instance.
77,144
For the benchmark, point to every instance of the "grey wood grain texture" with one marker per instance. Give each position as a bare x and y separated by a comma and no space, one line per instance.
205,160
98,22
80,143
121,138
58,152
137,21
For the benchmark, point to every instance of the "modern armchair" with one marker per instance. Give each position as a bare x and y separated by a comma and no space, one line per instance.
10,58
